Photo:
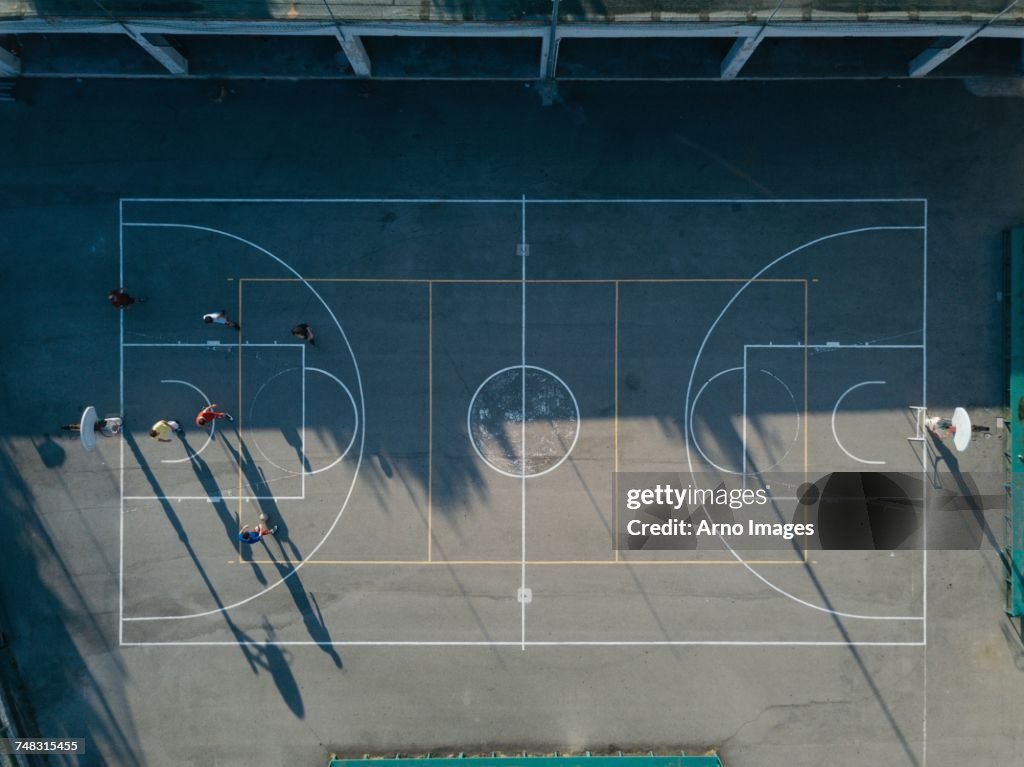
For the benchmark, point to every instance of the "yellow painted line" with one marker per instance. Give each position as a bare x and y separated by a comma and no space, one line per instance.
453,281
519,562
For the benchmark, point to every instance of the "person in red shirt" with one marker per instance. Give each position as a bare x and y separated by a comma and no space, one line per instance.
208,414
121,300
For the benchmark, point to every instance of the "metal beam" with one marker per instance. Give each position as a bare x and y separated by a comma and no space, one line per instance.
878,29
355,52
738,55
161,50
927,60
10,65
545,52
549,47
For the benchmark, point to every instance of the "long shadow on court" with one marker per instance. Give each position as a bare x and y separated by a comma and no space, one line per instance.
970,495
294,440
257,654
211,488
49,635
306,604
837,620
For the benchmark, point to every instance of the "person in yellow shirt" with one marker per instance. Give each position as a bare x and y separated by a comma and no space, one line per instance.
162,429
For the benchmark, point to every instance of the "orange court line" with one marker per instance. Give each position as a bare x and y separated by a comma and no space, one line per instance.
602,281
615,429
517,562
616,282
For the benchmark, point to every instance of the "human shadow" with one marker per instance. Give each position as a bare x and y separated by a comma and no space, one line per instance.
289,558
296,442
968,497
212,489
855,653
53,630
50,453
258,654
307,605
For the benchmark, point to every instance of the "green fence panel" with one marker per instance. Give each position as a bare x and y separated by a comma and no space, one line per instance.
1013,454
625,760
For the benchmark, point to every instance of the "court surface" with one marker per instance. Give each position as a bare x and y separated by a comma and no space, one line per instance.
516,306
391,453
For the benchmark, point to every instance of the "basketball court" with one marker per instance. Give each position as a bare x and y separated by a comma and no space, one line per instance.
442,462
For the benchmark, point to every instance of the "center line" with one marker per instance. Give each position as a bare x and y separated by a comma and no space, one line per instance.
522,456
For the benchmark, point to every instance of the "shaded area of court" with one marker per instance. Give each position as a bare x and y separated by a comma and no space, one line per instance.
762,704
424,456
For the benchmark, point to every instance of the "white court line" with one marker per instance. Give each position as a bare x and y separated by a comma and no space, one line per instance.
924,486
341,456
253,400
924,403
833,346
213,423
696,400
120,563
302,434
355,426
212,499
514,200
743,368
522,445
516,643
438,200
362,408
213,344
688,421
835,410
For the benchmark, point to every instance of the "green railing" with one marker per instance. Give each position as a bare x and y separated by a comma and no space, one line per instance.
1013,435
556,760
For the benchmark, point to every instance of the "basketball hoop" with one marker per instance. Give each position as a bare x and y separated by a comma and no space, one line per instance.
959,426
961,429
87,428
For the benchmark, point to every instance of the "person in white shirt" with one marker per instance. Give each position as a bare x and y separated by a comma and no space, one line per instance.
220,318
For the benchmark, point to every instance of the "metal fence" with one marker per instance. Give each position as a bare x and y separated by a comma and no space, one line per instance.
498,11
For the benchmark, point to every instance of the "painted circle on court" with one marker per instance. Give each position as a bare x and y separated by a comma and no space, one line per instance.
342,420
520,441
280,387
722,411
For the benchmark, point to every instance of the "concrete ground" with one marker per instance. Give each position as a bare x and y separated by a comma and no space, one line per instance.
412,542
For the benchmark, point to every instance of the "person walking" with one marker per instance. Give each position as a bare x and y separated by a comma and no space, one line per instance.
162,429
221,318
209,414
305,332
121,300
251,535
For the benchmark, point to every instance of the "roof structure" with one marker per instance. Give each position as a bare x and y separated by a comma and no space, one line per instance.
497,11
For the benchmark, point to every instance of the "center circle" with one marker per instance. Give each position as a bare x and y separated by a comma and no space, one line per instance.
523,421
